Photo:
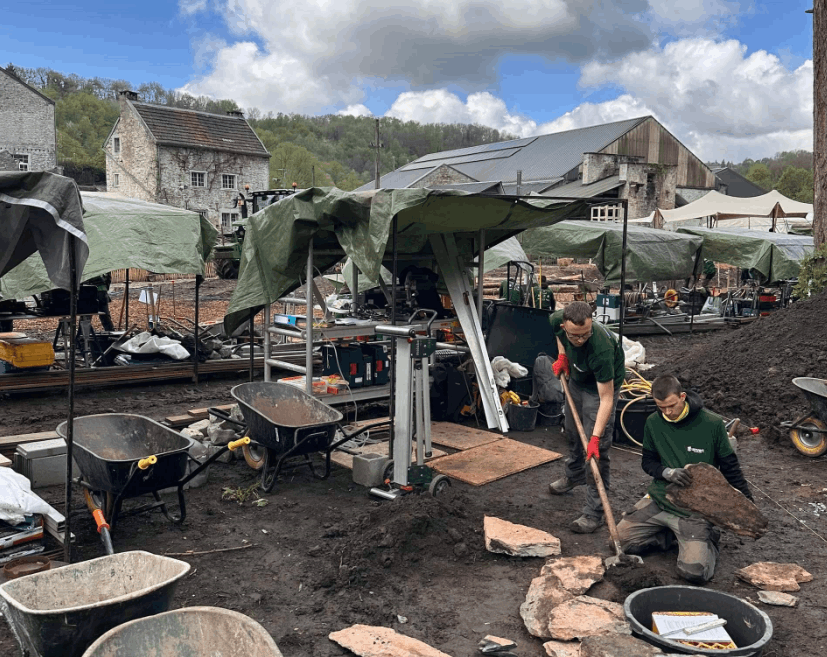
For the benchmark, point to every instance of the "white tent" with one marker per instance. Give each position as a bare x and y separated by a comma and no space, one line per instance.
715,209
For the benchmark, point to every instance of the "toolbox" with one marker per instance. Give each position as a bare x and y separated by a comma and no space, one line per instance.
43,462
345,360
379,360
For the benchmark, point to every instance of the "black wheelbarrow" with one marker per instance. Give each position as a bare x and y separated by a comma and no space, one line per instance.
121,456
286,423
809,432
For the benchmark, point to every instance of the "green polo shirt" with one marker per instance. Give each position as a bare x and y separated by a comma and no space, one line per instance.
599,360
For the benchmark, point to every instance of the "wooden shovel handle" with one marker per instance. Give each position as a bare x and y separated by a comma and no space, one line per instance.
598,480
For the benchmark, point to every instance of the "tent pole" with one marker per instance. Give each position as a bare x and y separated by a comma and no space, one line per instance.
126,299
308,345
354,289
252,344
198,280
70,428
394,273
625,205
480,272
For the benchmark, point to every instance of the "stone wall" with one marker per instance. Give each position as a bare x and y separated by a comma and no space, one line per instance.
27,124
444,175
136,163
690,194
648,186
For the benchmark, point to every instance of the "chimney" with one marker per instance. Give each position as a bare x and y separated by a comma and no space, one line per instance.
237,113
127,94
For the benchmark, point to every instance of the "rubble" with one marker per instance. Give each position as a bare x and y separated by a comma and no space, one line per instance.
576,574
495,645
504,537
617,645
711,496
777,598
771,576
562,648
371,641
585,616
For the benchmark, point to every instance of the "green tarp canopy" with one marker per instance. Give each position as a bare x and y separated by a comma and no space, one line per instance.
126,233
651,255
774,256
358,225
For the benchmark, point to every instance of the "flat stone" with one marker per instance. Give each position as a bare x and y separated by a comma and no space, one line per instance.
617,645
711,496
576,574
201,425
504,537
495,645
777,598
562,648
371,641
544,594
772,576
189,432
585,616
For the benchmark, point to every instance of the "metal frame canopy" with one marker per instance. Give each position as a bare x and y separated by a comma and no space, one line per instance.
775,256
337,224
126,233
651,254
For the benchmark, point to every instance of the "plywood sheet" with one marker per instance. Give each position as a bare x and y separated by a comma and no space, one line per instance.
487,463
458,436
346,460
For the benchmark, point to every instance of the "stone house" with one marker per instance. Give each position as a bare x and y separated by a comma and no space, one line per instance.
637,159
187,159
28,139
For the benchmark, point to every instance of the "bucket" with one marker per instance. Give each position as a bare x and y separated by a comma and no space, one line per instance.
550,414
632,415
522,418
749,627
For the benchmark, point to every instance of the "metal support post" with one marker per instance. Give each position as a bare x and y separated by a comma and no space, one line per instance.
621,305
252,344
198,280
70,434
424,401
308,348
126,299
403,413
354,289
267,342
480,271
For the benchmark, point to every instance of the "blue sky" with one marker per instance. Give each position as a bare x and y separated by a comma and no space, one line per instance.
731,78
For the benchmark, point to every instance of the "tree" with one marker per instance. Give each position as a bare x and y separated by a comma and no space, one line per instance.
796,184
761,176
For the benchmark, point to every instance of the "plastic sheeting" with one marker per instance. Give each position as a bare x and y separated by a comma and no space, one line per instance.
774,256
358,225
126,233
17,499
651,255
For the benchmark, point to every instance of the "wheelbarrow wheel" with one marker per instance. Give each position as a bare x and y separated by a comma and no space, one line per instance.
807,437
255,456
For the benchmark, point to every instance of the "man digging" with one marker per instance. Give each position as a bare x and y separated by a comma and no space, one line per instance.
682,432
593,359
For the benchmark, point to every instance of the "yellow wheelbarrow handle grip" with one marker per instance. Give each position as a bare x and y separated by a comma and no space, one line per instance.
143,464
241,442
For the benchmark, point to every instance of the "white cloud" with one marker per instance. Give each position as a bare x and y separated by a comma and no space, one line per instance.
355,110
190,7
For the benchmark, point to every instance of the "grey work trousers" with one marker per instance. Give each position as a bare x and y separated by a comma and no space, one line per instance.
648,526
577,470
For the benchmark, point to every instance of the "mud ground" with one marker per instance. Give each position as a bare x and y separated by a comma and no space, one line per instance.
325,555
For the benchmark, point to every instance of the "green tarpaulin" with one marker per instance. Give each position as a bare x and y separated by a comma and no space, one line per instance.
126,233
774,256
358,225
651,255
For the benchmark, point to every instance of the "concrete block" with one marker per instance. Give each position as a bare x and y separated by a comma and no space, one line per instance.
368,469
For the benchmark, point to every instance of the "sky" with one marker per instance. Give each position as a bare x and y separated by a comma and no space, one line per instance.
731,79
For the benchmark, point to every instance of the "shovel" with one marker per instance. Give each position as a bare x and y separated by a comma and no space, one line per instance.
620,557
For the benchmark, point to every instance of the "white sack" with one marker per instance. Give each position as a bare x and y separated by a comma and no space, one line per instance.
504,369
634,352
17,499
146,343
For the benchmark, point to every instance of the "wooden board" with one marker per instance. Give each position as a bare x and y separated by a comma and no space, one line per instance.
202,413
346,460
4,462
458,436
10,442
176,421
487,463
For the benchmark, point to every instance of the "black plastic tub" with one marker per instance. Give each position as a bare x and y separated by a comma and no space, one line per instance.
749,627
632,418
522,418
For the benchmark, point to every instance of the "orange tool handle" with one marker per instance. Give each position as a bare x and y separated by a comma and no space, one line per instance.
97,514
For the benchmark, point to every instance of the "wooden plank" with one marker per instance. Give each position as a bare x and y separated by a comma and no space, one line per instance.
487,463
458,436
202,413
176,421
13,441
346,460
4,462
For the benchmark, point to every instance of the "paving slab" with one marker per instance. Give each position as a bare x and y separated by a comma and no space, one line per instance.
617,645
772,576
586,616
777,598
372,641
544,594
562,648
576,574
503,537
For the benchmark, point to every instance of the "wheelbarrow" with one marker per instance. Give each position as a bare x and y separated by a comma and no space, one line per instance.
122,456
286,423
61,612
190,631
809,432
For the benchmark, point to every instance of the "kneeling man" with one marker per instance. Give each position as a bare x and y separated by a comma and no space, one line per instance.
680,433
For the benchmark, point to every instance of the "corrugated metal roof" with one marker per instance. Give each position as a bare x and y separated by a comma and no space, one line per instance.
542,158
495,187
578,190
528,188
180,127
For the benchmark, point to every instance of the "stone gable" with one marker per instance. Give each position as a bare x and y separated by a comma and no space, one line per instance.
27,125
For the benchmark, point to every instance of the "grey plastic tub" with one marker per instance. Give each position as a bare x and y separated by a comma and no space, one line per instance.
749,627
59,613
190,632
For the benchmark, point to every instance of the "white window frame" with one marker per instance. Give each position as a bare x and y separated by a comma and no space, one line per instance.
227,226
22,160
116,180
608,212
229,175
203,184
116,145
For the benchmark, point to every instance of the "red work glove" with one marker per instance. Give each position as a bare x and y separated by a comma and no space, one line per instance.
593,450
560,365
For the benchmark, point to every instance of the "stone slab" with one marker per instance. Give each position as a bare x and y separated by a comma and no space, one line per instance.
772,576
576,574
585,616
711,496
505,537
544,594
617,645
562,648
777,598
371,641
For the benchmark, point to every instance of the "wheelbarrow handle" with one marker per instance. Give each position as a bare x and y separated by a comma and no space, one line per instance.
233,445
221,415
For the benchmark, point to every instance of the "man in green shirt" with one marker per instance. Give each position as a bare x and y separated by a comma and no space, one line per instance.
680,433
593,360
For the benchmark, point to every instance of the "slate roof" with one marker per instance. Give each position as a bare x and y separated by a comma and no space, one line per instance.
543,158
737,185
579,190
172,126
495,187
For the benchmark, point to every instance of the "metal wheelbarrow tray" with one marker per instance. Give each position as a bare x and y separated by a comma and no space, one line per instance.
288,423
59,613
809,432
190,631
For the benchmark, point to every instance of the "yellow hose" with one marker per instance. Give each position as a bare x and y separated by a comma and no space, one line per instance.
636,389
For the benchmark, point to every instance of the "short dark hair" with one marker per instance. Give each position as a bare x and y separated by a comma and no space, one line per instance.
666,385
577,312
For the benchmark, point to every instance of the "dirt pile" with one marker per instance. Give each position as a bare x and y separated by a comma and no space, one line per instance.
747,373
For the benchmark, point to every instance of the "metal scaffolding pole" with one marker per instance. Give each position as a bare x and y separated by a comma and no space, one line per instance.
308,348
